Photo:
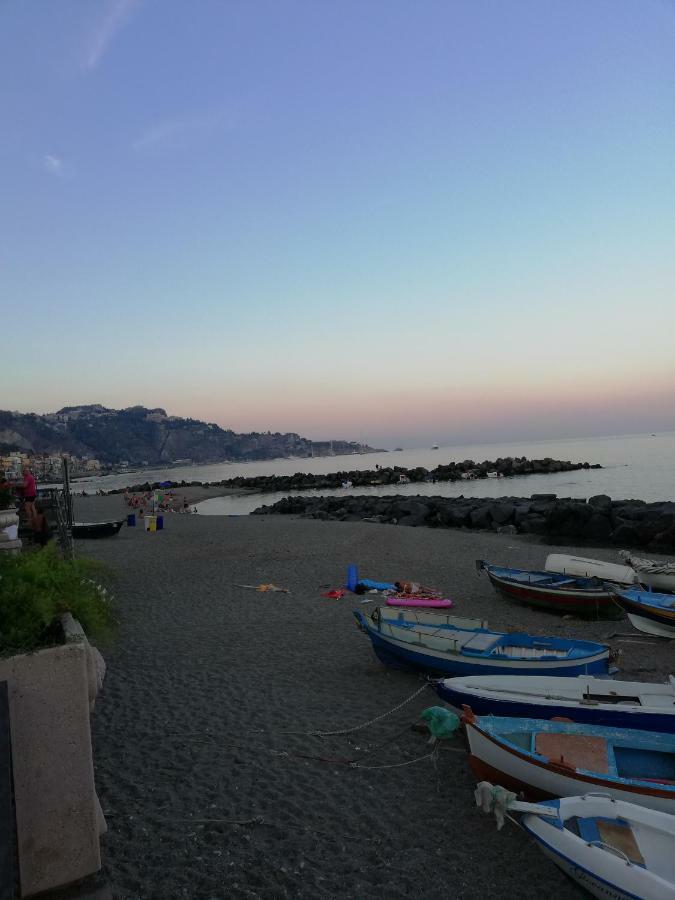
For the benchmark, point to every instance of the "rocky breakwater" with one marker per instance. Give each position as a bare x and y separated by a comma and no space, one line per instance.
626,523
454,471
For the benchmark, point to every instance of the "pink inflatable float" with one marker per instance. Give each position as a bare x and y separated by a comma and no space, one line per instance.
429,602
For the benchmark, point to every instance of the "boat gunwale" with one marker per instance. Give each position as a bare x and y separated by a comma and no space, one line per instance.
595,651
630,785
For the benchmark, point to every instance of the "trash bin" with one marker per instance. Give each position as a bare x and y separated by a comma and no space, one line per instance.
352,576
131,520
160,523
152,523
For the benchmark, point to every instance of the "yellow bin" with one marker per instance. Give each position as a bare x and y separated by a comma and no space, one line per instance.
152,523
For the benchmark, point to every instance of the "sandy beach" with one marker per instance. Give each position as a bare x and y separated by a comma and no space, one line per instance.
209,782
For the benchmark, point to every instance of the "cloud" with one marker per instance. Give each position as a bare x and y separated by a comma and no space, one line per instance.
181,132
119,14
53,165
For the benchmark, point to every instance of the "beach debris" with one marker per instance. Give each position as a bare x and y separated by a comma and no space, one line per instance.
336,594
494,799
366,585
265,588
441,722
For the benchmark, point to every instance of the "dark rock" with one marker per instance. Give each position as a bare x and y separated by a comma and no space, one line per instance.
506,529
625,534
480,518
413,521
521,513
664,540
567,518
598,527
543,497
411,508
502,513
533,525
600,501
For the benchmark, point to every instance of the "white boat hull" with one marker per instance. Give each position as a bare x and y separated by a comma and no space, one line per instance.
651,627
605,873
581,567
490,759
590,882
657,582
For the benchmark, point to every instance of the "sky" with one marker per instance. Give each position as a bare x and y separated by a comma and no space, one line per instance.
385,221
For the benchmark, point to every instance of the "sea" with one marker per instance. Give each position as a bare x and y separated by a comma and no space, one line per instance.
634,466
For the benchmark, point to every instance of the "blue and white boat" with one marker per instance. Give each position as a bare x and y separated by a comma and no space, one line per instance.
648,611
450,645
552,591
612,848
542,759
596,701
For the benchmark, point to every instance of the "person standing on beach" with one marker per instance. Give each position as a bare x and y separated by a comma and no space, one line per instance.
29,494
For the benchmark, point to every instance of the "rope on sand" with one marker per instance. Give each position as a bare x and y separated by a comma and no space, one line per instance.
363,725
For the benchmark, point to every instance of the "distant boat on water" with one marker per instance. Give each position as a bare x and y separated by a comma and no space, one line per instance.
435,447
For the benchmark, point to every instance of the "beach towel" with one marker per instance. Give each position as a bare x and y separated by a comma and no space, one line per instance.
265,588
367,584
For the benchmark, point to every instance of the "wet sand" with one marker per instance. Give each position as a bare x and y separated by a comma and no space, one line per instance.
206,792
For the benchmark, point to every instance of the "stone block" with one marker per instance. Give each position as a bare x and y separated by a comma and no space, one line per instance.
57,811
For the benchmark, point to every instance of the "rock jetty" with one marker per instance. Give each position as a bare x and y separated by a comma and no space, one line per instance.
461,471
454,471
626,523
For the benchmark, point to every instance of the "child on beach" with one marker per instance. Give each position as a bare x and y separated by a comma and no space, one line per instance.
41,529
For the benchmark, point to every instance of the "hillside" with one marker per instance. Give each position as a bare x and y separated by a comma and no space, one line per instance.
141,436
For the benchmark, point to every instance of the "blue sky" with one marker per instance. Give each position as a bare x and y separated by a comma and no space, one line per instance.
386,221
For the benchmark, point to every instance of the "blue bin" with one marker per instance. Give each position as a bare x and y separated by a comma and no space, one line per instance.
131,520
352,576
160,523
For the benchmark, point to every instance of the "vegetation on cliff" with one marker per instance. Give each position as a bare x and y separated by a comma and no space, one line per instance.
140,436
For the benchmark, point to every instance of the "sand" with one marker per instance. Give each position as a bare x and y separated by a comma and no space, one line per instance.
206,679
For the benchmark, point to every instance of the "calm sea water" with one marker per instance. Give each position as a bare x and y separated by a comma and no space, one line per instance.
639,466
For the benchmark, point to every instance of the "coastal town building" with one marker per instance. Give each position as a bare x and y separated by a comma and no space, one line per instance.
47,466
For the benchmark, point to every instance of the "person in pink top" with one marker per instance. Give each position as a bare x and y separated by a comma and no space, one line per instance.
29,494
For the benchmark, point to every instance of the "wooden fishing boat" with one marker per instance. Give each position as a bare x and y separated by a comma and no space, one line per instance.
451,645
648,611
610,847
545,759
581,567
656,575
91,530
594,701
552,591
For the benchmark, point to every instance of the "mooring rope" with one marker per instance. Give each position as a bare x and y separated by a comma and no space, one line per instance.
341,731
647,565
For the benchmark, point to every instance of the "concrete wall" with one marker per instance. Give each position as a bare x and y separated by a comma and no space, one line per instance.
57,811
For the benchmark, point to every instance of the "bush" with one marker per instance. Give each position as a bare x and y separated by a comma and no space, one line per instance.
6,499
35,588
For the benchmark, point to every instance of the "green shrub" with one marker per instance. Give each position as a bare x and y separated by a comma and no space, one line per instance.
35,588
